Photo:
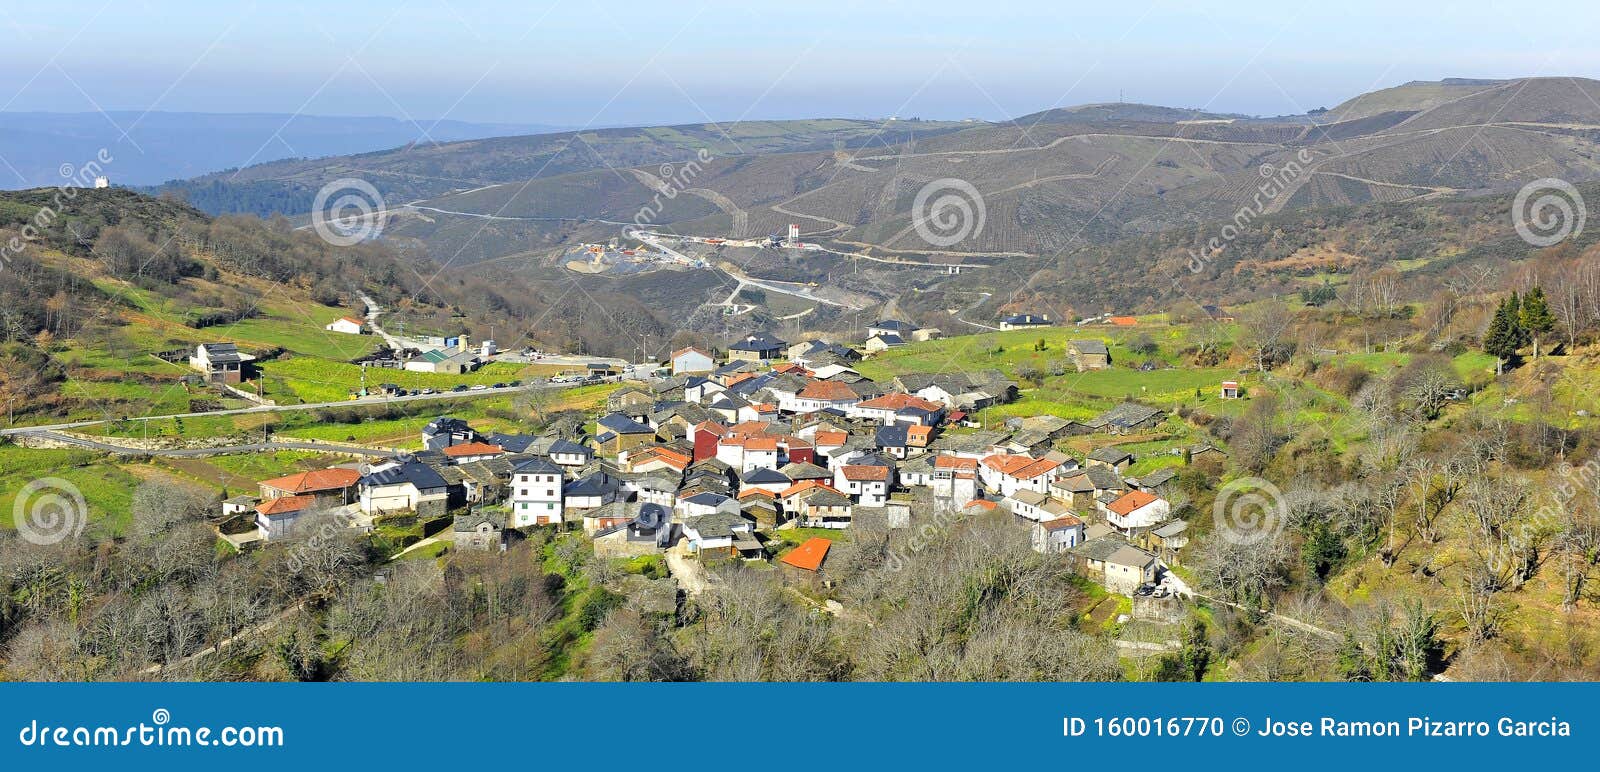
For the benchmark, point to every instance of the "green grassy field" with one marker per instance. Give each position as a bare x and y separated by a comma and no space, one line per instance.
107,489
300,379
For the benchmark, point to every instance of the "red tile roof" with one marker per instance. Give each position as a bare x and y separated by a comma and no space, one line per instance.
1131,501
832,391
830,439
809,555
1065,521
1020,467
286,505
899,401
862,472
312,482
954,462
672,457
806,485
473,449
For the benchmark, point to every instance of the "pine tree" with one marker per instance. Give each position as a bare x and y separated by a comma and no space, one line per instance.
1504,335
1536,317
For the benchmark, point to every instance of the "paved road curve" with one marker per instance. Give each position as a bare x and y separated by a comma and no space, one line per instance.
308,406
109,446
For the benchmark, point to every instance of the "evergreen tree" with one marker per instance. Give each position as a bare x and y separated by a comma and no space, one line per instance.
1536,317
1505,334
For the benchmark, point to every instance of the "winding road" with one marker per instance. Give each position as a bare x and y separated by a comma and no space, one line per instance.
289,408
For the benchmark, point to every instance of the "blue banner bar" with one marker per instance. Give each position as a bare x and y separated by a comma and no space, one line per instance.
816,726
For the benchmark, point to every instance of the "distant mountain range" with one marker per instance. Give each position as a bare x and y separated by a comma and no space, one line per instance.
162,146
1049,181
1066,195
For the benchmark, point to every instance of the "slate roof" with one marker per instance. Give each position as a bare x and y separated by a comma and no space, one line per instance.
765,476
538,466
1110,455
415,472
219,353
1157,478
1090,346
759,341
621,424
892,436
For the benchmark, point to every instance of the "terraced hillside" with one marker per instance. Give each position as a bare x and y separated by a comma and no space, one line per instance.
1064,178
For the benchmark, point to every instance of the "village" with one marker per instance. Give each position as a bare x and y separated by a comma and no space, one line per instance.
712,458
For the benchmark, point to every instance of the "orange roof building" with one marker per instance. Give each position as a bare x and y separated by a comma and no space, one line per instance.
1124,321
1132,501
1065,521
899,401
286,505
828,391
323,481
864,473
470,449
809,555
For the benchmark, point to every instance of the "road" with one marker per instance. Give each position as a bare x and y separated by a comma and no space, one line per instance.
108,445
979,325
290,408
373,310
689,572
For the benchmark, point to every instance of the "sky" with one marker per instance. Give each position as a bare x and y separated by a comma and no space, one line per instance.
575,63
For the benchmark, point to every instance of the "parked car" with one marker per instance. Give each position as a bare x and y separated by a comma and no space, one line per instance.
428,391
498,386
514,384
478,387
460,387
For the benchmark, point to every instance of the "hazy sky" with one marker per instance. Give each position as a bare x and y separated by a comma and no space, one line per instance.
578,63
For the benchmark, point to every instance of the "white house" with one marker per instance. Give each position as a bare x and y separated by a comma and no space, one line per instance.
403,486
347,325
536,493
692,360
702,504
893,327
1136,511
276,518
1058,535
1036,506
1006,474
701,390
714,532
820,395
867,484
